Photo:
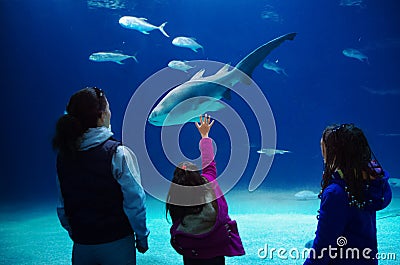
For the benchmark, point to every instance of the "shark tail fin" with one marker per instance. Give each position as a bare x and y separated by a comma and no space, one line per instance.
161,28
250,62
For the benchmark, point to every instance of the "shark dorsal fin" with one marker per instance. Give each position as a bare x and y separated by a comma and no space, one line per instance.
198,75
223,70
143,18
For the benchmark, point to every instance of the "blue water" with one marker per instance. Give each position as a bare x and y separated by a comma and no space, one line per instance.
45,49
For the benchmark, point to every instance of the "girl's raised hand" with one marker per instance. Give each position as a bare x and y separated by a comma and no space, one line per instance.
205,125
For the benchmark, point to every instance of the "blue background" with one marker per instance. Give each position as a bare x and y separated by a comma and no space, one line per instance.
46,44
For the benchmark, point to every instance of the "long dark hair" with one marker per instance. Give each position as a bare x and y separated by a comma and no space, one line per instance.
347,149
84,109
185,174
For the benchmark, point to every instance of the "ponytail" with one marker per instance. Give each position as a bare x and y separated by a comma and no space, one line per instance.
68,132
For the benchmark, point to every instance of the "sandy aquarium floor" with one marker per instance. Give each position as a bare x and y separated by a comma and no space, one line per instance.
31,234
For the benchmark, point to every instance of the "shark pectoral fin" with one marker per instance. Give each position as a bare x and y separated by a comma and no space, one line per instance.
194,49
119,62
227,94
145,32
198,75
223,70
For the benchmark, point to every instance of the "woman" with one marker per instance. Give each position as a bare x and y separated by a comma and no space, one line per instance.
202,233
354,187
101,199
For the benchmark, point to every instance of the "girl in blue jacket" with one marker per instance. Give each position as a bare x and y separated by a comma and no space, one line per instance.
354,187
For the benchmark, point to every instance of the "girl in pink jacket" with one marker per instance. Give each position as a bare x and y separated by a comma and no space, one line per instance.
203,233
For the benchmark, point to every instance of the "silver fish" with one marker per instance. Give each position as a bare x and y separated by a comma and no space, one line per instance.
353,53
141,25
274,67
271,152
180,65
115,57
351,3
201,94
187,42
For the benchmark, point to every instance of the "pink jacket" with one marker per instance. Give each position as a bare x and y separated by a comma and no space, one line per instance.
223,239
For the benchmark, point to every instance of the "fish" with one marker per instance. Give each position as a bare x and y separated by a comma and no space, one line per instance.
306,195
353,53
115,57
186,42
187,101
394,182
381,92
141,25
271,152
273,66
180,65
390,134
351,3
269,13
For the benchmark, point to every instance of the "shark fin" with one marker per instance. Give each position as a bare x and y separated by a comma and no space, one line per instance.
223,70
250,62
143,18
198,75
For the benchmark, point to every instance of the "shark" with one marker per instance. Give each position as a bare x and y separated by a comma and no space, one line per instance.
201,94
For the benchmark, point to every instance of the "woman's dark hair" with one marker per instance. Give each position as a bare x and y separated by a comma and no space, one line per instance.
347,149
185,174
84,109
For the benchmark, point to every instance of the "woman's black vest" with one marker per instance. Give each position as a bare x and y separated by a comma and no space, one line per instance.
93,199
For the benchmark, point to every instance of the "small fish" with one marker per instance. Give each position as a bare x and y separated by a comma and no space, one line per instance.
271,152
306,195
180,65
274,67
115,57
186,42
353,53
351,3
269,13
141,25
390,134
381,92
394,182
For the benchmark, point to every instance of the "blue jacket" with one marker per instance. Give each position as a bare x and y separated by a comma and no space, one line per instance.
346,227
125,171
